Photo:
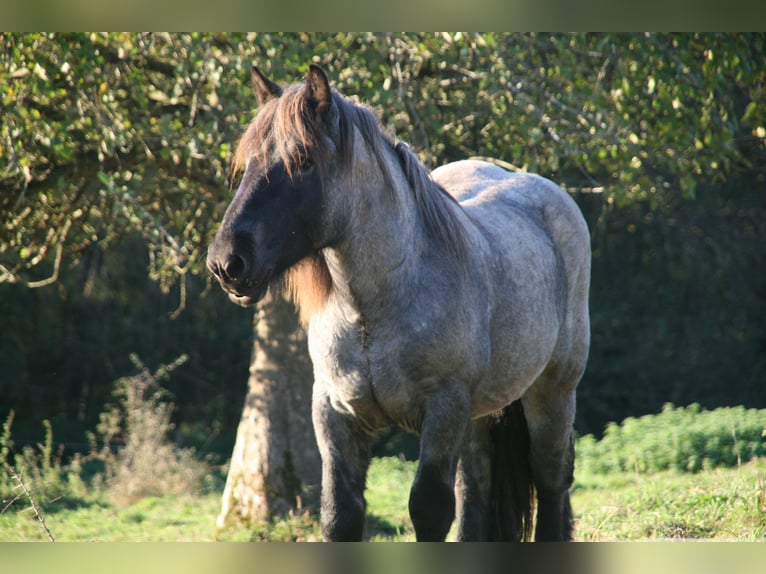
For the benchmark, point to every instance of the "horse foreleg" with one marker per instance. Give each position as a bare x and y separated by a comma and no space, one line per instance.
432,498
345,452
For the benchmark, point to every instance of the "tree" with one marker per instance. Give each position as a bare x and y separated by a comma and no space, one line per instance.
275,465
105,135
116,135
119,143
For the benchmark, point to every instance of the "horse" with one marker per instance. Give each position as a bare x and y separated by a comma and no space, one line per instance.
451,304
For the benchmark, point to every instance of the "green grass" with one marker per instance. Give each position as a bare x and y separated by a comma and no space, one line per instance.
719,504
169,518
388,491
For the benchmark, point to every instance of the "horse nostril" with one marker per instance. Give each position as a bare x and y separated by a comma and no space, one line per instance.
234,268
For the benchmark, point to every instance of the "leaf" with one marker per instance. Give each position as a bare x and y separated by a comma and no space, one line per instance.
105,179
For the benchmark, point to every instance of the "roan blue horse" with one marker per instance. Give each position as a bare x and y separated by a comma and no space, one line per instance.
452,304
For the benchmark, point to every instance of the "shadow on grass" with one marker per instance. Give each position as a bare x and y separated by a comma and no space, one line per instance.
378,526
65,503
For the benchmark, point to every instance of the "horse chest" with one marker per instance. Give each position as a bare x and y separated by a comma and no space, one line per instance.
361,377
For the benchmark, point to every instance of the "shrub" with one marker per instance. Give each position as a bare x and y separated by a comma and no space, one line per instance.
38,467
138,456
130,448
685,439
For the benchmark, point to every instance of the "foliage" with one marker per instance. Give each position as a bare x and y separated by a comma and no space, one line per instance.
131,456
118,148
109,132
641,116
684,439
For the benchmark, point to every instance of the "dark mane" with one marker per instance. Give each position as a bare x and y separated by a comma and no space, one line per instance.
438,209
287,127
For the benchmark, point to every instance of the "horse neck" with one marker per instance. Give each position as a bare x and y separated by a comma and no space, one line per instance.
381,237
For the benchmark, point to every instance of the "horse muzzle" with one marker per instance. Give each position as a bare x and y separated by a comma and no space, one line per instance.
237,276
245,292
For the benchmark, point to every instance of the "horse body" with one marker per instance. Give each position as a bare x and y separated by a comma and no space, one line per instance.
508,311
538,244
439,312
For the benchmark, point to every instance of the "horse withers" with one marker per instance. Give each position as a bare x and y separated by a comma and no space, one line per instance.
452,304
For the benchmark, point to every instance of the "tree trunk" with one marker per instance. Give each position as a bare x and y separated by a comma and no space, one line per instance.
275,464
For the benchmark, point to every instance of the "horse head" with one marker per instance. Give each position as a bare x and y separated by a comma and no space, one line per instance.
274,219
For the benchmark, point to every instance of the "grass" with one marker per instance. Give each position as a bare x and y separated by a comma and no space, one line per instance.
387,496
719,504
159,519
684,474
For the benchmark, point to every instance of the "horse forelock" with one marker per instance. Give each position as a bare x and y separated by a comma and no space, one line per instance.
285,128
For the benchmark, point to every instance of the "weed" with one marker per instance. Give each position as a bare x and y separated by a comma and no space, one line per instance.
33,504
41,471
138,457
131,449
297,526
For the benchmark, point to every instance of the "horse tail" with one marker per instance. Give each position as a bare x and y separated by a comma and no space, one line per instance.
512,492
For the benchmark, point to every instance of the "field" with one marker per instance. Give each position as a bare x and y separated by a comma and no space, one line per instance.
684,474
720,504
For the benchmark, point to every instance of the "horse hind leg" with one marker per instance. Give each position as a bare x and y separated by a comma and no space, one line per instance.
550,418
473,485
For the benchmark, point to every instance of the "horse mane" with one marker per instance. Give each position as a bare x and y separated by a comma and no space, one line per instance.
438,207
288,127
309,284
439,210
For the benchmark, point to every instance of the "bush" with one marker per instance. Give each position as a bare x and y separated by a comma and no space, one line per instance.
685,439
130,452
139,459
37,467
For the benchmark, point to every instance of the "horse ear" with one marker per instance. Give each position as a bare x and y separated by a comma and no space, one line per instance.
264,88
318,89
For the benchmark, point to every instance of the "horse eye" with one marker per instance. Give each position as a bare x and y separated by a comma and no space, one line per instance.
305,164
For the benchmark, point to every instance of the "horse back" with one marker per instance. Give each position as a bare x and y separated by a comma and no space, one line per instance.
505,204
